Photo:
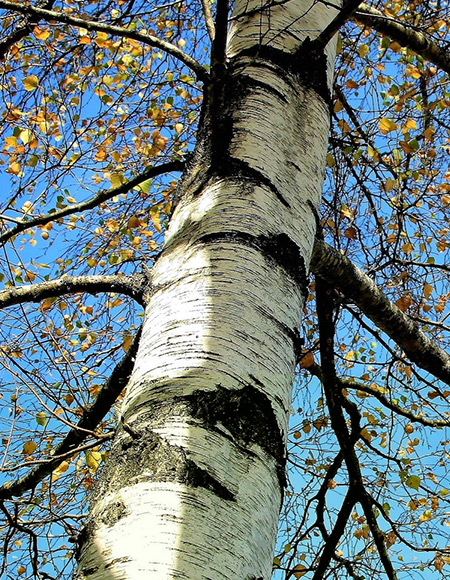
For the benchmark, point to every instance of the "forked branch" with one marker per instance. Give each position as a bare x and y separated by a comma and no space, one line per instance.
358,288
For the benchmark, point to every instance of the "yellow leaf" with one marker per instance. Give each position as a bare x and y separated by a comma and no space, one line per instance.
155,214
14,168
26,136
62,468
127,343
411,124
29,447
407,248
117,179
387,125
389,184
41,34
427,290
30,83
93,460
363,50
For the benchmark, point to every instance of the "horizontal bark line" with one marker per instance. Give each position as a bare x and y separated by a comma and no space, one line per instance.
279,248
356,286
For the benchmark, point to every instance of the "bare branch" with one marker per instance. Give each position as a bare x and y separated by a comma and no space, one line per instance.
419,42
91,418
100,197
148,39
209,21
220,36
133,286
356,286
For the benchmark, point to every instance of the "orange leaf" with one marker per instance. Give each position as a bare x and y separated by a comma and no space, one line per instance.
403,303
427,290
41,34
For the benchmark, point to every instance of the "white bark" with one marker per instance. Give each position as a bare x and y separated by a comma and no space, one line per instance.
194,485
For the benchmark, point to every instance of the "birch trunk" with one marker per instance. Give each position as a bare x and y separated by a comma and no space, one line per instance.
194,482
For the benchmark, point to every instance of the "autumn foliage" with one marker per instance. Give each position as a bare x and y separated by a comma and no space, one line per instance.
97,124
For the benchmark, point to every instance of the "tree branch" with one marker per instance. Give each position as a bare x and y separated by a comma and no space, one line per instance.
220,36
362,291
133,286
336,402
407,36
343,15
100,197
91,418
23,29
209,21
354,385
148,39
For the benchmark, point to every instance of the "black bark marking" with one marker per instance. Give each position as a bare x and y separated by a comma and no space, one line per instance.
308,65
311,64
279,247
238,168
198,477
246,414
90,571
146,456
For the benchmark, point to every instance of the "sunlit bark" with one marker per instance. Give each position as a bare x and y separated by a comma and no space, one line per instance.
194,481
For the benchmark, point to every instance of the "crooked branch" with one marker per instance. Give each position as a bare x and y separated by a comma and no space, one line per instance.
133,286
92,416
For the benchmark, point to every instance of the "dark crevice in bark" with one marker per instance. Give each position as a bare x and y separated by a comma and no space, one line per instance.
279,248
242,84
198,477
90,571
308,65
238,168
244,416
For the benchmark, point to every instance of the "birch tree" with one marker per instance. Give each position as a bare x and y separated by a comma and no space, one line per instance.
208,201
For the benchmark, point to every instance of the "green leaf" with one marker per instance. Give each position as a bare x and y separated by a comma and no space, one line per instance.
41,419
413,482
